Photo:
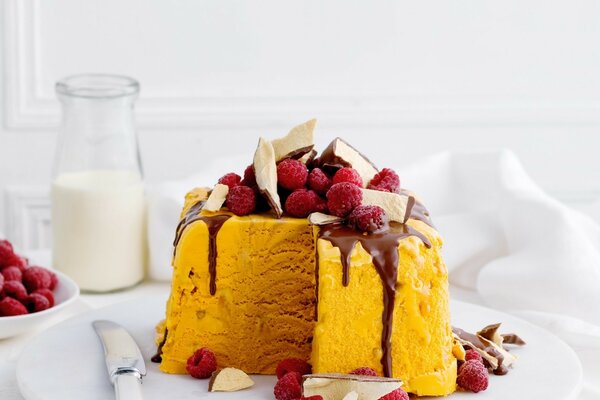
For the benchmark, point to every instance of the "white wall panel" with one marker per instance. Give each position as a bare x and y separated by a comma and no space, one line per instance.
419,76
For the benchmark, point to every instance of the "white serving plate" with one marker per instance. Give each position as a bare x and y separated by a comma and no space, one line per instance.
66,362
66,292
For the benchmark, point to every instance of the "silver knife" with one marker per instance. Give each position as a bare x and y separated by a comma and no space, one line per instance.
124,360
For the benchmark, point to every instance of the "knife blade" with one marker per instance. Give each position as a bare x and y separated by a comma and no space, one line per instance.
124,360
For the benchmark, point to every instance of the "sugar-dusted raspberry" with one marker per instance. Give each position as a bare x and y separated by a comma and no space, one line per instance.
385,181
319,181
473,355
249,177
301,202
6,252
366,371
368,218
231,179
10,307
12,274
398,394
35,278
202,363
36,302
342,198
288,387
15,289
292,365
347,175
241,200
47,293
291,174
473,376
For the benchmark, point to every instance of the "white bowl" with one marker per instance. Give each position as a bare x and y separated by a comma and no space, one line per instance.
65,293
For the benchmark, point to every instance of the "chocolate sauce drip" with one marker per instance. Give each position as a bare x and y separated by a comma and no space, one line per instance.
418,211
383,248
477,342
157,358
214,224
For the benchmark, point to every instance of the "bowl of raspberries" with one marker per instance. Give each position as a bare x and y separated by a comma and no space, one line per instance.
29,294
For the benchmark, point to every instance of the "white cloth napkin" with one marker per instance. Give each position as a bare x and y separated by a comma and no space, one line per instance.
506,242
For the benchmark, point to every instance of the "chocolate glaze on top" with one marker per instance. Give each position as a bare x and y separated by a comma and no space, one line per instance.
477,342
383,248
214,224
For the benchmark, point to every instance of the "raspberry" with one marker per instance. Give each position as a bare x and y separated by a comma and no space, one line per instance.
398,394
367,218
473,355
230,179
35,278
16,261
288,387
241,200
15,289
321,205
347,175
36,302
202,364
47,293
53,280
319,181
10,307
385,181
315,397
473,376
291,174
6,252
1,282
301,203
292,365
249,177
12,274
342,198
365,371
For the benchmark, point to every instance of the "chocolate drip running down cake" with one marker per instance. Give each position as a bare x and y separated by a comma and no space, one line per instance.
359,283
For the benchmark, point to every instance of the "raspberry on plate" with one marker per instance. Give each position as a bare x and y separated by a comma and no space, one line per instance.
398,394
36,302
473,376
473,355
342,198
10,307
365,371
6,252
12,274
15,289
1,282
292,365
249,177
368,218
231,179
202,363
35,278
315,397
288,387
241,200
347,175
16,261
301,202
319,181
47,293
291,174
387,180
53,280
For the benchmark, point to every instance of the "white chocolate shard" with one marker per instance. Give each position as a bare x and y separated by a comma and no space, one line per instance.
217,198
337,386
396,206
229,380
341,153
318,218
351,396
298,142
265,170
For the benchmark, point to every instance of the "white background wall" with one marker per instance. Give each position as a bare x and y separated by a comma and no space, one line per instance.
398,79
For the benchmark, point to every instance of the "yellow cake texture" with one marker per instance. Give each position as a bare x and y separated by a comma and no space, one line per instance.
256,290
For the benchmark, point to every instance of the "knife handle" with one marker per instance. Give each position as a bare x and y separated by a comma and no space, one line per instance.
128,386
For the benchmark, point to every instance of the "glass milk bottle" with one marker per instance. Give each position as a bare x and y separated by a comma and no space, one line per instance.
98,204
